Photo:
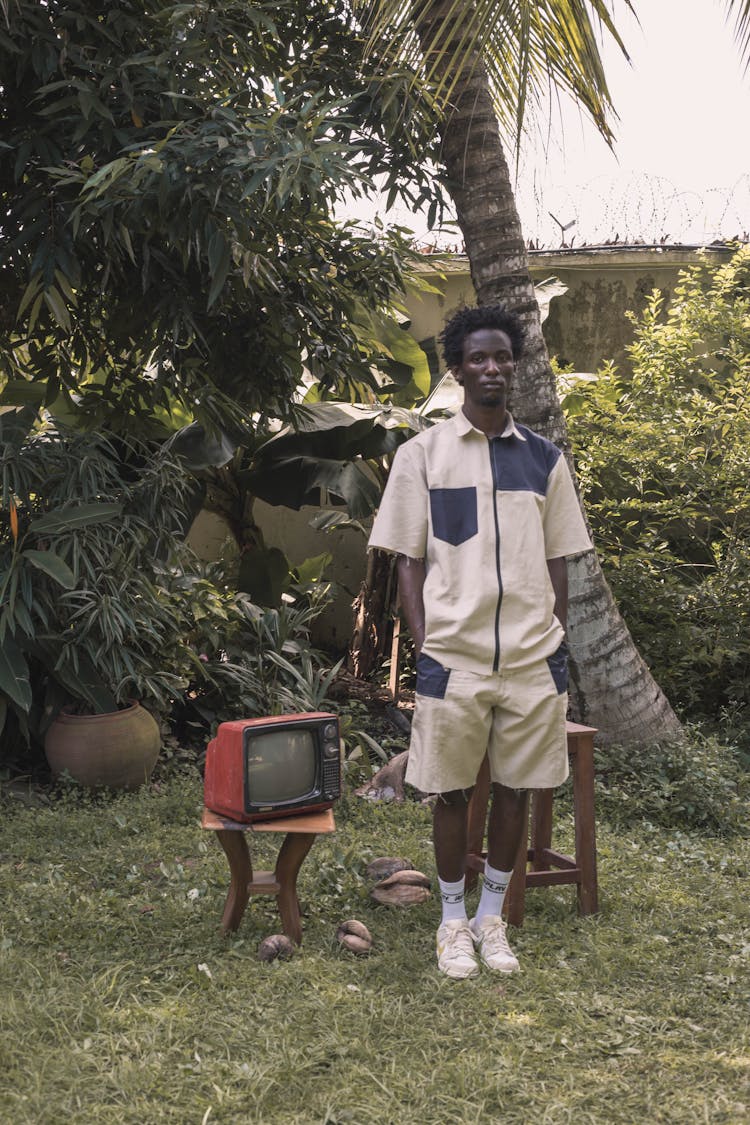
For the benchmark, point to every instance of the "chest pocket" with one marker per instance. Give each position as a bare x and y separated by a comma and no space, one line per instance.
454,514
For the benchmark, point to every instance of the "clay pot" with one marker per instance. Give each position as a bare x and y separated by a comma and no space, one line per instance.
118,749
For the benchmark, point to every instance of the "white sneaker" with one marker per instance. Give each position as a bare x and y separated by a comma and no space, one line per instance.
489,935
455,950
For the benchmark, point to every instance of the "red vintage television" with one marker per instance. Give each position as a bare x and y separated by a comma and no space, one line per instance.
257,769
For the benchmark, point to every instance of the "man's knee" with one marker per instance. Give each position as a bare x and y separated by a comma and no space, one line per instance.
456,797
507,796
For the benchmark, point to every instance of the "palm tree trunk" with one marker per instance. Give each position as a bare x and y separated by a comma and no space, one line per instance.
611,686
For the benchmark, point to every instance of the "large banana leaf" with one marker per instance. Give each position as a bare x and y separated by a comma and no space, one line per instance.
202,449
294,481
321,461
314,416
406,363
359,437
324,461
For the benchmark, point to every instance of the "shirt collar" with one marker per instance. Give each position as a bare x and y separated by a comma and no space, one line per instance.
464,426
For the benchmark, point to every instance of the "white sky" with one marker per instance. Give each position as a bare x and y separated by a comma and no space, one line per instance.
681,165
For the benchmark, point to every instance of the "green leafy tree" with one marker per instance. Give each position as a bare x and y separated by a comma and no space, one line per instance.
168,257
167,178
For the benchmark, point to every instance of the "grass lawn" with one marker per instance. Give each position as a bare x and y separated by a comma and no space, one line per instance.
122,1003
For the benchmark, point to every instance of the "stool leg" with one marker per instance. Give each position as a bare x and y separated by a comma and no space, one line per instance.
291,857
393,677
585,830
515,898
241,871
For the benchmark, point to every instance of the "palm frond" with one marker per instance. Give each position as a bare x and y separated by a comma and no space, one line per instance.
740,9
527,48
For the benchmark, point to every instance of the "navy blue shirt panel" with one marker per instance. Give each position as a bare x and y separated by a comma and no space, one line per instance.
524,466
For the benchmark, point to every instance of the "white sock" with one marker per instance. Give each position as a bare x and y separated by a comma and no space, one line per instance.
493,891
452,895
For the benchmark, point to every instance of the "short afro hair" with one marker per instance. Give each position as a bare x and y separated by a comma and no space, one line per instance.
466,321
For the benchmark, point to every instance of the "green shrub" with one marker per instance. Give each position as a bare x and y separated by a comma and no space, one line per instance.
261,661
102,600
663,459
691,782
97,608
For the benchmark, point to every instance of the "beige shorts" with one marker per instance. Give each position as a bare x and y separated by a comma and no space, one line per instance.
517,717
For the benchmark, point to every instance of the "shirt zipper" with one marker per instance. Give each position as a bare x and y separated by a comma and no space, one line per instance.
496,488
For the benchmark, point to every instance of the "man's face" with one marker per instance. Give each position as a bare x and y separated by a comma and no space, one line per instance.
486,369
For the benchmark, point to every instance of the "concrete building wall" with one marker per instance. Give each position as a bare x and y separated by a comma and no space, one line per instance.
291,531
588,324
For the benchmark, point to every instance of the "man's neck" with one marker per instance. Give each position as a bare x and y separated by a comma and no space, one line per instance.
491,420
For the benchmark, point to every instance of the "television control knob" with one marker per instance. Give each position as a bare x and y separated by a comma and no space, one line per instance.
330,731
331,750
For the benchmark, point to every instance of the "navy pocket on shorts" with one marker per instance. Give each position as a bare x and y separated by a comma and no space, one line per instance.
558,666
432,677
454,514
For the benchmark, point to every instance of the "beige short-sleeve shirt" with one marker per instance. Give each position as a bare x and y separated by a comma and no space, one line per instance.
485,514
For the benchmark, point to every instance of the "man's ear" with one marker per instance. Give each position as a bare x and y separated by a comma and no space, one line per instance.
456,373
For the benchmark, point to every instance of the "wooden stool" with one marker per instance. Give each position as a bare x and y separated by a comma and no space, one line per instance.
548,867
282,882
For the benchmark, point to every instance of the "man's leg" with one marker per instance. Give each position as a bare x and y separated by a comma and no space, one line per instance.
455,944
449,734
506,824
450,820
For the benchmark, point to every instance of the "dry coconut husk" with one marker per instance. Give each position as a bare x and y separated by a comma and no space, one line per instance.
275,947
354,936
403,888
387,865
388,782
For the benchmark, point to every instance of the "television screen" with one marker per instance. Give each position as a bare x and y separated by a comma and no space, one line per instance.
281,766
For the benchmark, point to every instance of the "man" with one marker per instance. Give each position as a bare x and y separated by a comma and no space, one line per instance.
482,514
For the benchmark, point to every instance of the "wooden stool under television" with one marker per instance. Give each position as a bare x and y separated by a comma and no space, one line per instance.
300,832
547,867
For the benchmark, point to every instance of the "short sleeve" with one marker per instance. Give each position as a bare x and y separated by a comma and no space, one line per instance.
400,525
564,526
